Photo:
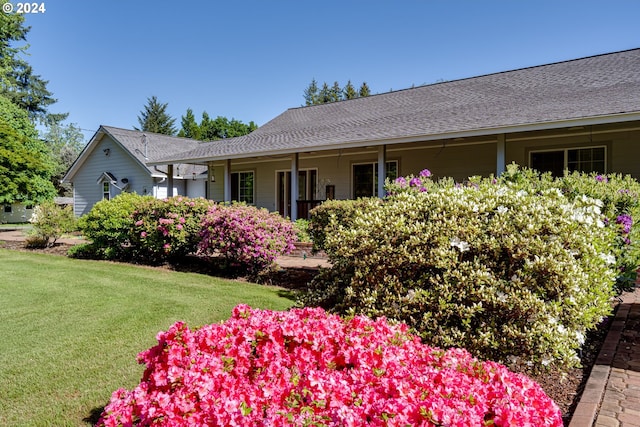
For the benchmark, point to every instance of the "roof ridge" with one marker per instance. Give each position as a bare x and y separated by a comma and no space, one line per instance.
153,133
469,78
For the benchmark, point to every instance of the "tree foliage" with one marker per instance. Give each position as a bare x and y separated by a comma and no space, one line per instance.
25,163
18,81
313,95
65,143
213,129
154,118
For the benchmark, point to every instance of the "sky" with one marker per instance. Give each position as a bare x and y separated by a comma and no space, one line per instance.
252,60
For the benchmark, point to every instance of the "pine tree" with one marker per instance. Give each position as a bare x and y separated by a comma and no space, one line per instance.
154,118
18,82
349,92
325,94
190,128
364,90
336,92
311,93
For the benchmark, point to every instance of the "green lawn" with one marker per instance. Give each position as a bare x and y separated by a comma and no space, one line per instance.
71,329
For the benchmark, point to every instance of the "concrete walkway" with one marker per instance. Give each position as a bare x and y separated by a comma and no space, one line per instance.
612,394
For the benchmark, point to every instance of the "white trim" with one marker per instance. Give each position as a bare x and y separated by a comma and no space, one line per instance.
565,151
527,127
253,190
374,167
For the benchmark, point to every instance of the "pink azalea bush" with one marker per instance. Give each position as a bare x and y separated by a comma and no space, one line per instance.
306,367
246,236
167,229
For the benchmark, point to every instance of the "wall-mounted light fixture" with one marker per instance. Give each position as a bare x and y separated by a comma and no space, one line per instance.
124,180
106,151
193,177
213,177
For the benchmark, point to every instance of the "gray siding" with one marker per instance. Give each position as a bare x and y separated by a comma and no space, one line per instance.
87,190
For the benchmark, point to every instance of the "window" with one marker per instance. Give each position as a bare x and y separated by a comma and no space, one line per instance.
7,208
365,178
242,187
106,191
591,159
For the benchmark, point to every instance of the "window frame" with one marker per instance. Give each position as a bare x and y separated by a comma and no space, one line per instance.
374,165
238,190
106,190
565,152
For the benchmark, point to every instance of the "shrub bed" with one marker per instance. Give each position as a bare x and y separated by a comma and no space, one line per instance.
167,229
510,275
305,367
246,236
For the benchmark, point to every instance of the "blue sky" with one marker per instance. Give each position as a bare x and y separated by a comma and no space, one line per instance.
252,60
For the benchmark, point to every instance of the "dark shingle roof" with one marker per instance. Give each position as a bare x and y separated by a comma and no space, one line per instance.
597,86
154,146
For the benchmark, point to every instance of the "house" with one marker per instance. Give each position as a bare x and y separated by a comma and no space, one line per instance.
115,160
15,213
581,114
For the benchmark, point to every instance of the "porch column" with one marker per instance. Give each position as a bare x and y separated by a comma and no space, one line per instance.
294,187
500,154
210,175
227,180
169,180
382,169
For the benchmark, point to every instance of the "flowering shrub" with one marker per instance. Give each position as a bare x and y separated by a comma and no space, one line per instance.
108,225
305,367
335,211
246,236
511,276
167,229
620,206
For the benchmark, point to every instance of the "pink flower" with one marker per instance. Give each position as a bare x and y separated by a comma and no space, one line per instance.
305,366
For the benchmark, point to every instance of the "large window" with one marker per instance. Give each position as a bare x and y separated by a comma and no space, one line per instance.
242,187
589,159
365,178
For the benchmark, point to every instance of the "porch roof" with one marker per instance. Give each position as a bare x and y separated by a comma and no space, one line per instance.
587,91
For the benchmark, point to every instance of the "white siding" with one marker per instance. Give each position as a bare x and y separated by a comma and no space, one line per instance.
87,190
19,213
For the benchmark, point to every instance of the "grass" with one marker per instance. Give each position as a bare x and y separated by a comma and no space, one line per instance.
71,329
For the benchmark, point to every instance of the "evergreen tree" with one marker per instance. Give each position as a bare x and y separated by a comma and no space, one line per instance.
311,93
325,94
364,90
349,92
18,82
154,118
190,128
336,92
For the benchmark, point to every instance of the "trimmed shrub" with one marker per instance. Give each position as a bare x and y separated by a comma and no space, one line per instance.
302,230
109,223
50,222
511,276
167,229
246,236
304,367
335,211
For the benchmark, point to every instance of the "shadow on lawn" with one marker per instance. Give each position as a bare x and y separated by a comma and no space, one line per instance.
94,416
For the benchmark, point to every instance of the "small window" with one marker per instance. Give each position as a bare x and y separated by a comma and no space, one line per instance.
242,187
106,191
7,209
29,207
